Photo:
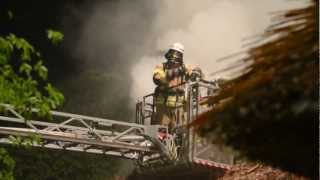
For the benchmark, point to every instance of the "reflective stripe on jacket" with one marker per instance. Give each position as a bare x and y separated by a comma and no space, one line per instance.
170,101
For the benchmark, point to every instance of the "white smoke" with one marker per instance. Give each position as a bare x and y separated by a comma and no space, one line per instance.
119,42
209,29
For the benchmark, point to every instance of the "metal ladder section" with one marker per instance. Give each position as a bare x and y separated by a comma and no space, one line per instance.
83,133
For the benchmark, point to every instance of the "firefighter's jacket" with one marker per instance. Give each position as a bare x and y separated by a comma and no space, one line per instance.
169,80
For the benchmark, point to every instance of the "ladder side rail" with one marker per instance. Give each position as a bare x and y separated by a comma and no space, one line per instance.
95,119
132,138
100,134
131,156
89,118
189,118
195,109
192,96
84,126
106,135
122,138
80,140
51,126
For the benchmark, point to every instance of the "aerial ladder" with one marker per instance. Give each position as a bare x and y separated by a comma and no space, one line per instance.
137,141
82,133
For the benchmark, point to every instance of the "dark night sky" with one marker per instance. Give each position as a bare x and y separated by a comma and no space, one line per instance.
83,85
31,20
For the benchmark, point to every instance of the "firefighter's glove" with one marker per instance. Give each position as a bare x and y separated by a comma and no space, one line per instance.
160,80
196,74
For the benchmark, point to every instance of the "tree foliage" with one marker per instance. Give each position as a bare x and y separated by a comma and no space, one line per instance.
6,165
23,84
23,77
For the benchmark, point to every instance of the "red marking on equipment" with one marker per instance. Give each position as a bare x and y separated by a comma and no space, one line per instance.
162,135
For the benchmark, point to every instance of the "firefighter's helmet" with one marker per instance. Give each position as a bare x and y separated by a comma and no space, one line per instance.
175,53
177,47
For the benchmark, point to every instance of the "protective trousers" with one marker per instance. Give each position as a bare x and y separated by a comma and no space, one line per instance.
169,111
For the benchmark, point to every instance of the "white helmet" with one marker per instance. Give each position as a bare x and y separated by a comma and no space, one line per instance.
178,47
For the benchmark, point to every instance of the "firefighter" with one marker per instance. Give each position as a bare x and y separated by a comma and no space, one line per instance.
169,78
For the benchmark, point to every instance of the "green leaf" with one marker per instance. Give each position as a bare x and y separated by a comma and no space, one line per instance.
25,68
43,72
54,36
7,71
23,45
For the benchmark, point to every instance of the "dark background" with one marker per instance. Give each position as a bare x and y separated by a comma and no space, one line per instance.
90,88
98,84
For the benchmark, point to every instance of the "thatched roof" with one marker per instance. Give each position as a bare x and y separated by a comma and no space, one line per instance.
271,113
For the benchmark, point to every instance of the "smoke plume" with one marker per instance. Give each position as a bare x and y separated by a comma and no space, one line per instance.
209,29
117,44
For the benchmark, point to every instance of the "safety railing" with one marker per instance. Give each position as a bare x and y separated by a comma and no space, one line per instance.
191,146
83,133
